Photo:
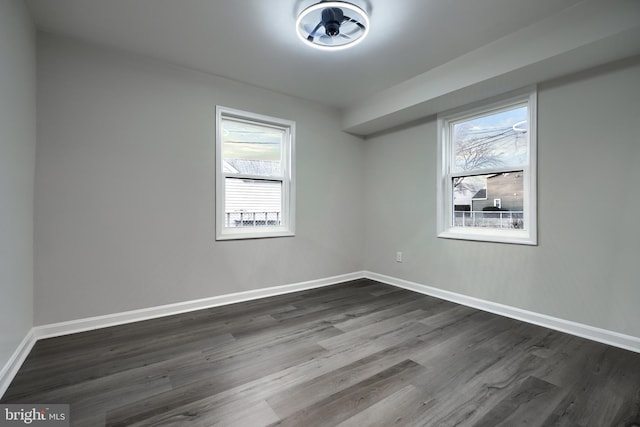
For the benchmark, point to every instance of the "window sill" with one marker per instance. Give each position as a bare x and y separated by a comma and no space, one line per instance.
246,233
519,237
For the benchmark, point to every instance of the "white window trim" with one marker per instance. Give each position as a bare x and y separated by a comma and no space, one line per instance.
287,228
444,203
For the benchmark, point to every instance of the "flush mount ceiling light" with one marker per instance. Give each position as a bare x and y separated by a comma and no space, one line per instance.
332,25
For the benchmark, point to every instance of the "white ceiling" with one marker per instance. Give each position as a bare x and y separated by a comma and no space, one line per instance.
254,41
420,58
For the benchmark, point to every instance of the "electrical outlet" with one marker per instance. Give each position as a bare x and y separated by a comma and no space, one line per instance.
398,256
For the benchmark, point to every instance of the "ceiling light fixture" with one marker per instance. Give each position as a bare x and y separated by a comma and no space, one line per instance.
332,25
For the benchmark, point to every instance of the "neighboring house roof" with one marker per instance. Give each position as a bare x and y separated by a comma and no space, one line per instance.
254,167
482,194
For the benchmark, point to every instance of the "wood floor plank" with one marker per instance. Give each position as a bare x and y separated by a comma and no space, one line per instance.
614,372
479,376
222,375
528,405
301,395
430,306
403,408
360,353
81,368
344,404
203,413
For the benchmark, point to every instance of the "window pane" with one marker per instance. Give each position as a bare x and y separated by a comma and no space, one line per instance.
491,141
251,149
252,203
489,201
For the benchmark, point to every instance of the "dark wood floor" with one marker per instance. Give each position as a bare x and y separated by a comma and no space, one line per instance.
357,354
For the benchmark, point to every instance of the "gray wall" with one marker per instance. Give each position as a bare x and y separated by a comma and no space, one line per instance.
17,162
585,268
125,196
125,187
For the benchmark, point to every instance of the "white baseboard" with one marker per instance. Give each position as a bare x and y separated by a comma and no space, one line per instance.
91,323
11,368
16,360
80,325
585,331
604,336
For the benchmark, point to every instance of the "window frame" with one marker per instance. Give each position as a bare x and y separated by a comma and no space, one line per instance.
445,206
287,226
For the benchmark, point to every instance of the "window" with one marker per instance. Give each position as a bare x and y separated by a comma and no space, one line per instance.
254,175
487,172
